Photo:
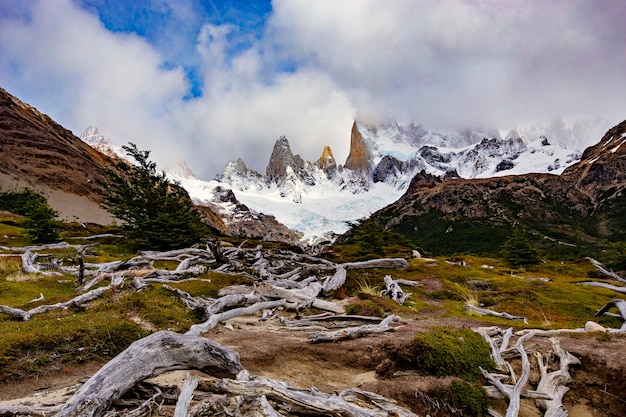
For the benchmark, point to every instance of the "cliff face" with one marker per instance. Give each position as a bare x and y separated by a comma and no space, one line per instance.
359,158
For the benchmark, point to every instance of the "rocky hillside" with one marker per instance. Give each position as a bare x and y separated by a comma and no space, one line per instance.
571,212
39,153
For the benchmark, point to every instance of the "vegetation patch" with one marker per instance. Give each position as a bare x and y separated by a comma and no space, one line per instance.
446,351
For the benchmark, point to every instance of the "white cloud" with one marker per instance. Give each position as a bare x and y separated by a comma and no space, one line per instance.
444,64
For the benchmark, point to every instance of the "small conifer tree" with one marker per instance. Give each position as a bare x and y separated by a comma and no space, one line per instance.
518,252
156,212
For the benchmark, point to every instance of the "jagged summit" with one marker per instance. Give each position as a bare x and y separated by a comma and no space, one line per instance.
326,162
182,170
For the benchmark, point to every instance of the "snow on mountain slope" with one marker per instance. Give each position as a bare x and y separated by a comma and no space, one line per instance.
317,199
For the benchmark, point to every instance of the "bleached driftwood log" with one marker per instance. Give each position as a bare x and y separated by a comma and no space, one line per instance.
350,403
492,335
60,245
394,291
555,383
487,312
336,281
602,269
30,267
616,288
620,305
27,410
304,298
148,357
354,332
383,263
513,393
186,394
198,329
76,301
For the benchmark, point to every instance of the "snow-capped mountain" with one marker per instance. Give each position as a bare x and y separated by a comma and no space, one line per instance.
317,198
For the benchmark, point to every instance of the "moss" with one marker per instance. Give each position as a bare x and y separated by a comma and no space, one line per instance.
365,308
445,351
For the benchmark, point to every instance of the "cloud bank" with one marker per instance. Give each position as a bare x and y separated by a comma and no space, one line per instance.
208,91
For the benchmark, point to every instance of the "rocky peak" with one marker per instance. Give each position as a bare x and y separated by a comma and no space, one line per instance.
281,158
359,158
182,170
326,162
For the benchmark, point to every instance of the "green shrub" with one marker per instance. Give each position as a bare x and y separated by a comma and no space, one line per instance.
472,400
446,351
365,308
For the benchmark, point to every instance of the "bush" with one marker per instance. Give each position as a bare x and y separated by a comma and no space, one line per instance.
446,351
40,223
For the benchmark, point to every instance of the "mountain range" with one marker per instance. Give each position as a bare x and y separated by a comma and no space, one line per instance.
440,189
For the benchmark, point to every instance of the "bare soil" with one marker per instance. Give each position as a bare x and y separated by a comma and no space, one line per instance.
271,350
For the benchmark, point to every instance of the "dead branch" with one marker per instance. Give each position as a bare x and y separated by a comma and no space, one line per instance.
354,332
487,312
186,394
336,281
554,383
198,329
28,410
602,269
619,289
620,305
148,357
76,301
304,298
384,263
314,402
392,290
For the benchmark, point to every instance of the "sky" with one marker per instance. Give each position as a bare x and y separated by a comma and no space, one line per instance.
211,81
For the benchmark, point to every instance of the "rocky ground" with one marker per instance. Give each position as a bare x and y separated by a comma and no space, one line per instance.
271,350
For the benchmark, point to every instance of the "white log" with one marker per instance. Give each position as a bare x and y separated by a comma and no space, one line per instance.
311,401
602,269
186,394
354,332
27,410
303,297
392,263
336,281
487,312
619,289
148,357
60,245
198,329
76,301
394,291
620,305
554,383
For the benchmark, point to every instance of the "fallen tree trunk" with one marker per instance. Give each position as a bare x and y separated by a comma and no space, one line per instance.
619,289
186,394
383,263
487,312
198,329
336,281
394,291
314,402
151,356
620,305
26,410
76,301
602,269
354,332
305,297
555,383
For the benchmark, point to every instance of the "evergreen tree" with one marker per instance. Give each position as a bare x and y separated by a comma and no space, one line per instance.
155,211
40,222
518,251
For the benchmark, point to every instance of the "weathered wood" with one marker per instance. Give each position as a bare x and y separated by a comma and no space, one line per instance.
384,263
336,281
60,245
487,312
354,332
616,288
555,383
76,301
148,357
27,410
602,269
312,401
394,291
186,394
305,297
620,305
198,329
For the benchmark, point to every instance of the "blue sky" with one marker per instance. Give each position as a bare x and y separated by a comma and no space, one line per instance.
211,81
